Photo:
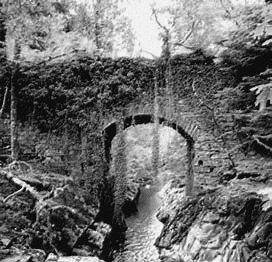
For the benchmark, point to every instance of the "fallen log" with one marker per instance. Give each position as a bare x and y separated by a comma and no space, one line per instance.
264,141
42,201
24,186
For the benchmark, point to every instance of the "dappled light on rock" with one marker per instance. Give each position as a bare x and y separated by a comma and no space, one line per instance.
225,224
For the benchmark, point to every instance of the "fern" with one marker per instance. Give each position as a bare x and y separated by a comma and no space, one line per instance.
264,94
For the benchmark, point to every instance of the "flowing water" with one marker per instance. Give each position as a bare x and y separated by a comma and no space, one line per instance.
143,229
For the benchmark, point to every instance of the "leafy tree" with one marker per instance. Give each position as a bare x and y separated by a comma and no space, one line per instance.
190,24
254,26
104,22
18,17
2,27
249,51
24,24
55,37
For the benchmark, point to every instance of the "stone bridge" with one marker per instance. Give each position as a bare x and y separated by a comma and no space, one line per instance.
205,155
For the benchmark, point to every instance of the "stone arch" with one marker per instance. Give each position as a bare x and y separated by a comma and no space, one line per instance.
110,131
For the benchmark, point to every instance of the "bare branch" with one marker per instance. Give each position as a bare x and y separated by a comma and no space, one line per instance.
147,52
22,184
186,46
257,139
4,102
187,35
13,194
174,22
82,234
154,12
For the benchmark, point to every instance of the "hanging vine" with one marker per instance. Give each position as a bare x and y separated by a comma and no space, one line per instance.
170,99
119,170
156,131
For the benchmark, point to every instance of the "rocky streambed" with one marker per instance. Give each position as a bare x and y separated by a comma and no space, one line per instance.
143,228
228,222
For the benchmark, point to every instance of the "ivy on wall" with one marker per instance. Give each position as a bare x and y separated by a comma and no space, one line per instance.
120,173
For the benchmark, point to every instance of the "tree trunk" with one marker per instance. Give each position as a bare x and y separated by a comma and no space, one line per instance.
12,53
13,117
98,25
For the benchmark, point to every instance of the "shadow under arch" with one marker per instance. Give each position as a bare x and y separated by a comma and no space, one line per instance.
110,131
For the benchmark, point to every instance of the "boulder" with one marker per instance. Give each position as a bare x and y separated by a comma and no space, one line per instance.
92,242
53,258
34,255
224,224
132,197
79,259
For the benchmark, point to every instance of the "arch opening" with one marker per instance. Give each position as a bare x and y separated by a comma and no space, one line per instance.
111,130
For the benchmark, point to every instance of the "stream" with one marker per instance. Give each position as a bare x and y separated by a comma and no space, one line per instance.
143,228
